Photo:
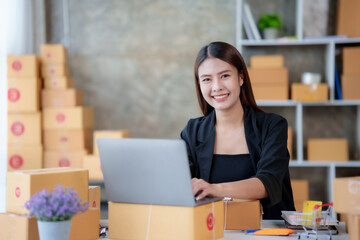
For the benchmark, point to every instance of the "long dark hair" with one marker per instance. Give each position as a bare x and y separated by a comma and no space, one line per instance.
231,55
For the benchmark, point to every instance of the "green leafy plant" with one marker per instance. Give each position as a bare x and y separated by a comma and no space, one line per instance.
269,21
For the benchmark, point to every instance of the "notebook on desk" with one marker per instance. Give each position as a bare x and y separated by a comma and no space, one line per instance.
147,171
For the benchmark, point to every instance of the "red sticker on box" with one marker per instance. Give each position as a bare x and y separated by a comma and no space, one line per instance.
13,94
60,117
54,83
94,204
17,192
63,139
64,162
210,221
17,128
16,161
48,55
52,71
16,66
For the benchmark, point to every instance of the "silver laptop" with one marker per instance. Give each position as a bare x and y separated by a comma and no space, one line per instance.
148,171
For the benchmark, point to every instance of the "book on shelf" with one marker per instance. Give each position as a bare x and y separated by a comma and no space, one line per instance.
247,27
251,21
338,94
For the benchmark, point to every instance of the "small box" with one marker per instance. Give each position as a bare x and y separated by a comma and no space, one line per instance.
353,227
290,142
85,226
68,118
21,185
142,221
50,70
53,53
300,189
351,56
346,195
299,205
24,128
348,18
94,197
23,66
242,214
109,134
64,139
309,92
53,159
93,164
350,86
61,98
18,227
328,149
21,157
24,94
267,61
269,76
58,83
268,92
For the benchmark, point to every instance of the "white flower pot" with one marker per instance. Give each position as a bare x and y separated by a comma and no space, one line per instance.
54,230
271,33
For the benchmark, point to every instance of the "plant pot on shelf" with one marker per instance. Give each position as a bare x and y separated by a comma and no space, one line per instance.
59,230
271,33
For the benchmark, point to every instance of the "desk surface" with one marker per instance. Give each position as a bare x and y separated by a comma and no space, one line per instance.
236,234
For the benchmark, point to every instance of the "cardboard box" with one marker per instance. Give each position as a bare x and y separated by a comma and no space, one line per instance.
142,221
242,214
93,164
50,70
58,83
109,134
290,142
346,195
328,149
300,188
298,205
68,118
348,18
22,157
53,159
267,92
24,128
18,227
61,98
24,94
351,56
353,227
95,197
21,185
267,61
64,139
350,85
269,76
309,92
53,53
85,226
23,66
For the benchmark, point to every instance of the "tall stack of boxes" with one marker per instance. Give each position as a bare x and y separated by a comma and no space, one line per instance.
350,79
67,123
24,117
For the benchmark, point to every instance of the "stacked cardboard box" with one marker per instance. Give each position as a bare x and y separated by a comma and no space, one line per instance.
67,123
328,149
269,78
309,92
348,18
24,116
300,189
350,79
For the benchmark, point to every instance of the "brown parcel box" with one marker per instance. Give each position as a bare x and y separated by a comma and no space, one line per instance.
267,61
269,76
58,83
346,195
64,139
18,227
275,92
300,189
21,157
93,164
21,185
109,134
24,128
328,149
85,226
350,85
50,70
348,18
242,214
53,53
61,98
95,197
351,58
353,222
68,118
23,66
23,94
53,159
142,221
309,92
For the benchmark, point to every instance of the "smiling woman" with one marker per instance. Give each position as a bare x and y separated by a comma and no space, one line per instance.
236,150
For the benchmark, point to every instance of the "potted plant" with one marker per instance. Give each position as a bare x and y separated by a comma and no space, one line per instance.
54,210
270,25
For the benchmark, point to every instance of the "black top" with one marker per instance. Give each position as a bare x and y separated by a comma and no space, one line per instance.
230,168
266,138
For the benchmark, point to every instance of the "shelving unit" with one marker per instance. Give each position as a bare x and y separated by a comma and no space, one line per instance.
330,46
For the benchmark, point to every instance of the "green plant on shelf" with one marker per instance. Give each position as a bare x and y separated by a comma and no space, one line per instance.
269,21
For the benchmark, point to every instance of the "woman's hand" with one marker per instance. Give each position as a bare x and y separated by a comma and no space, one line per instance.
202,189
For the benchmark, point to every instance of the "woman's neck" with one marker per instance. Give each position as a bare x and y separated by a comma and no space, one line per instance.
230,119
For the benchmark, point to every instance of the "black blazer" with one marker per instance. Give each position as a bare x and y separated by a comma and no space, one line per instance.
266,137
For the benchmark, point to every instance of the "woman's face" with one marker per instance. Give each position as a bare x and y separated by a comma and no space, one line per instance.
220,84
